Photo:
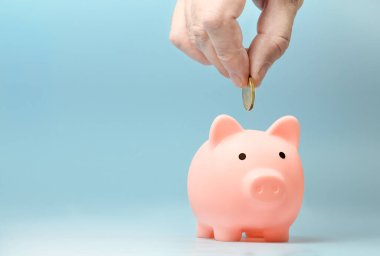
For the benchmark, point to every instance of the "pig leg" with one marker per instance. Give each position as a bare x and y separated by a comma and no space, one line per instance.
276,235
227,234
204,231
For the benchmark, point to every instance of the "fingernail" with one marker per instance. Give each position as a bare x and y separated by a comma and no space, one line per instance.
236,80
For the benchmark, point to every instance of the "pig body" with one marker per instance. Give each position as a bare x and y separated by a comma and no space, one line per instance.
247,181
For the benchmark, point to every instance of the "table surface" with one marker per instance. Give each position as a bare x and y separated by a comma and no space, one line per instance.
169,230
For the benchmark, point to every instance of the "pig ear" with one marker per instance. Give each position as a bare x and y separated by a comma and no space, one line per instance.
222,127
287,128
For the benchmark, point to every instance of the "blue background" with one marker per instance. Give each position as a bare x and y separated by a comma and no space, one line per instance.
100,117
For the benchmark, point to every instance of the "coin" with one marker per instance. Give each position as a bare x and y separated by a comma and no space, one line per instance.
248,95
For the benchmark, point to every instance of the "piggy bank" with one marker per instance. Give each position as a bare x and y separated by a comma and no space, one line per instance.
247,181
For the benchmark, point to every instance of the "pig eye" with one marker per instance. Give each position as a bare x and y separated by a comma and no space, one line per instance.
242,156
282,155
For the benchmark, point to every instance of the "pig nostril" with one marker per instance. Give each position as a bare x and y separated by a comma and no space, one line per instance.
259,189
276,189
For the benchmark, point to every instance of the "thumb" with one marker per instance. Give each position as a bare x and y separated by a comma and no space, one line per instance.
274,29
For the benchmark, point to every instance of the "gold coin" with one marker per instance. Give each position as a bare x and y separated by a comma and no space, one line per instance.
248,95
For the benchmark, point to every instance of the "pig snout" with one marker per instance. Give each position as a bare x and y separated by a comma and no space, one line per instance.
265,185
267,188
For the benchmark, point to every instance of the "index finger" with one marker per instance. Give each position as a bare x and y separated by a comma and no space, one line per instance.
227,39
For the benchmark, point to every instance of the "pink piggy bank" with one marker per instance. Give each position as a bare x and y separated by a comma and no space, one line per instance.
247,181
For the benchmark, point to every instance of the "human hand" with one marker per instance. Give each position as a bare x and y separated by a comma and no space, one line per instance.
208,32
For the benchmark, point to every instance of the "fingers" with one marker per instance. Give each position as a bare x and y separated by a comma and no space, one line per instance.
274,31
208,32
198,35
204,44
179,36
226,37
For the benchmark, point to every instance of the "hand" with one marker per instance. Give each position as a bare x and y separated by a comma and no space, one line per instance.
208,32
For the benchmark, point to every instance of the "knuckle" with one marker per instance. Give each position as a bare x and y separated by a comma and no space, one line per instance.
224,56
197,34
281,43
204,61
176,39
227,54
212,21
295,3
277,44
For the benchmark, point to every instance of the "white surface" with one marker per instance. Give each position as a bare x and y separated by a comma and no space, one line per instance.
170,231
